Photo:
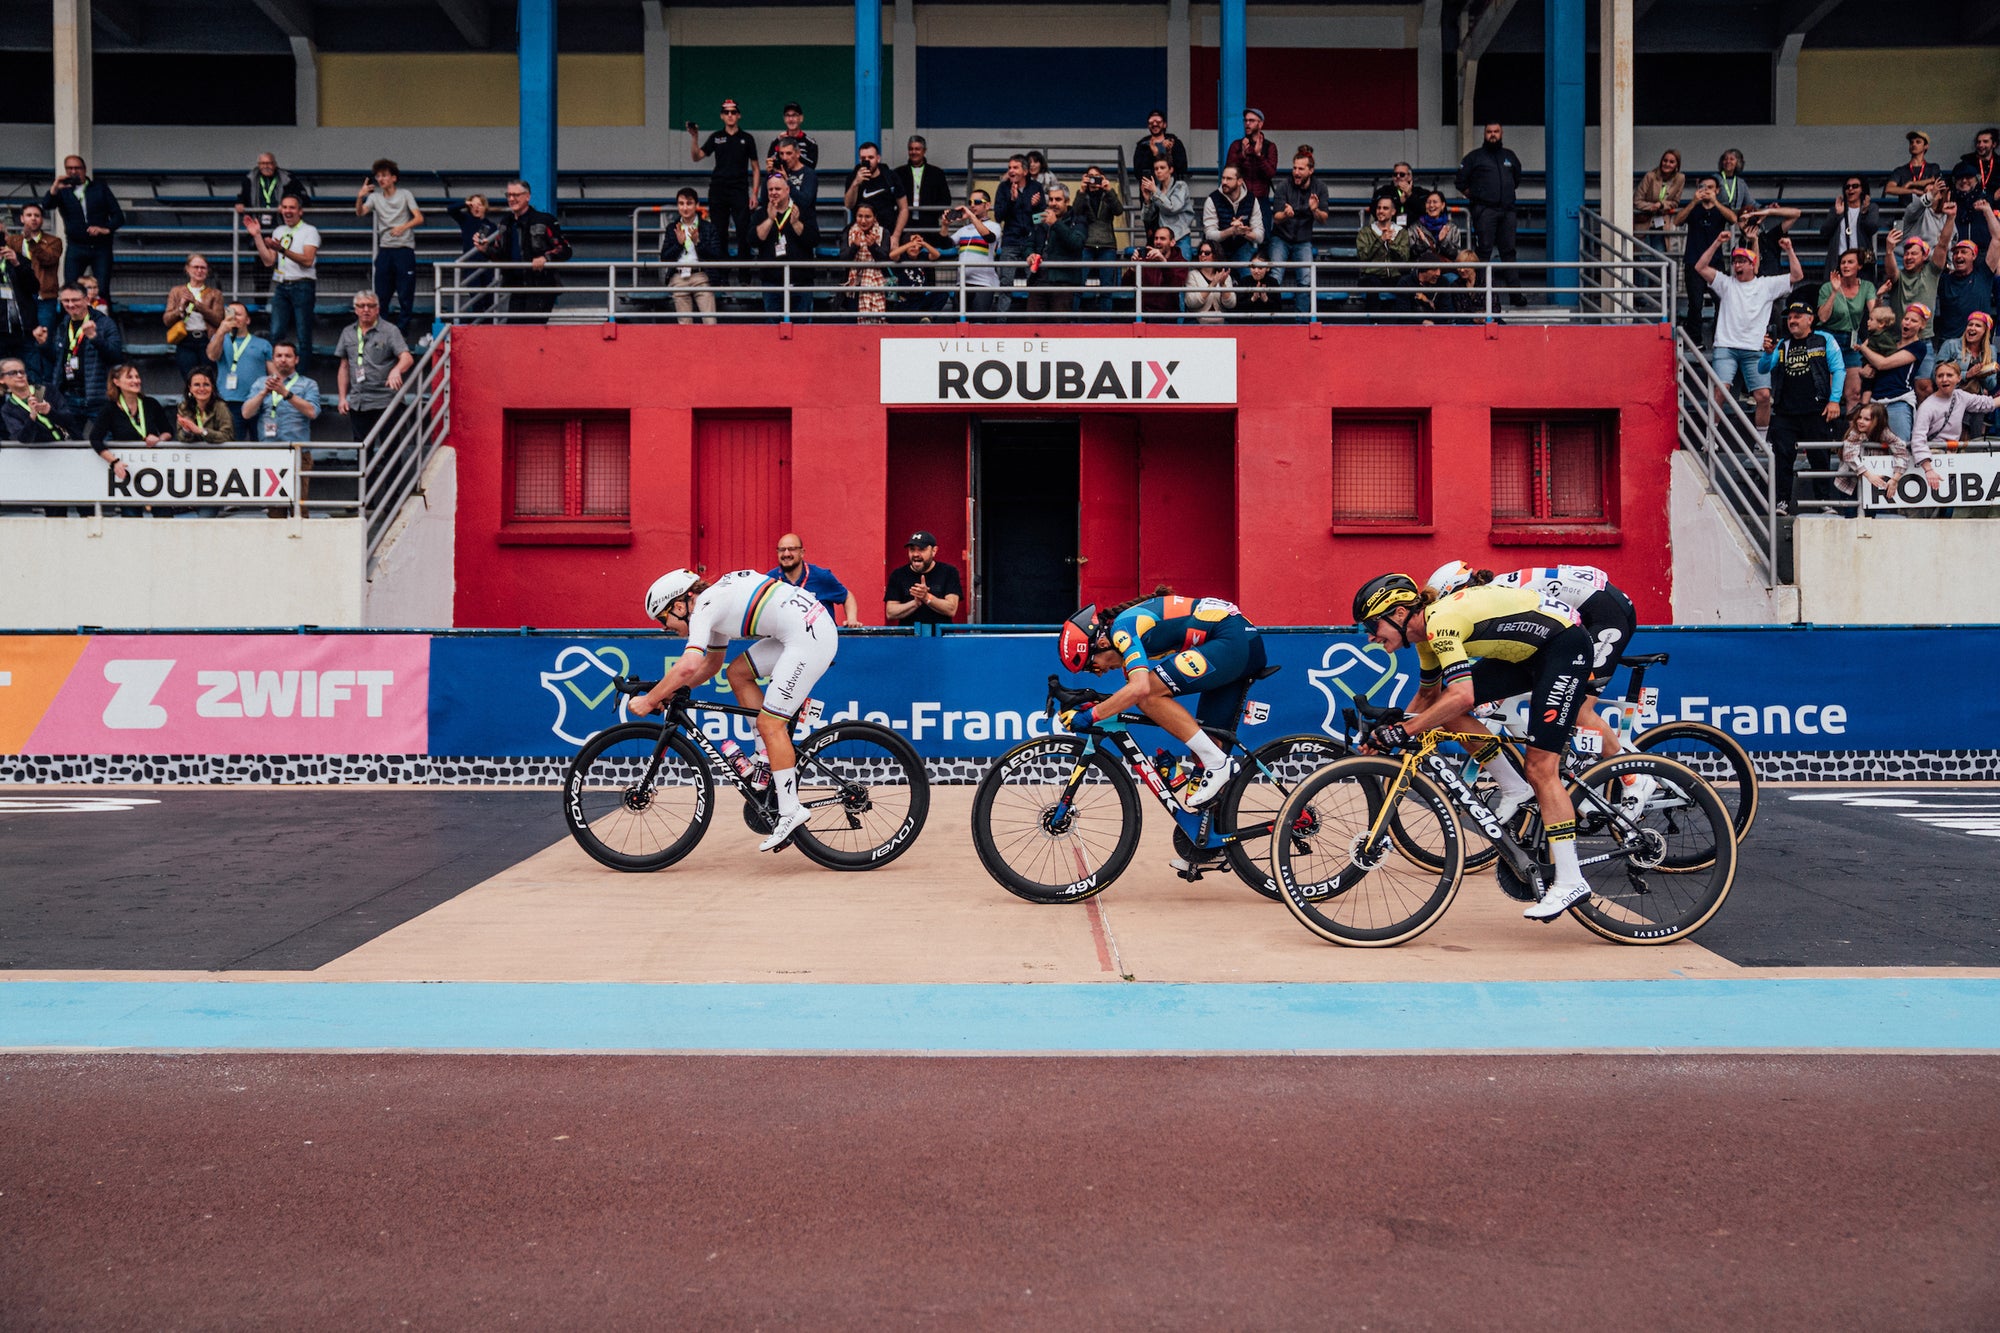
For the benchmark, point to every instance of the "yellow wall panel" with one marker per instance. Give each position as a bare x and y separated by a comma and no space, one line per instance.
1923,86
466,89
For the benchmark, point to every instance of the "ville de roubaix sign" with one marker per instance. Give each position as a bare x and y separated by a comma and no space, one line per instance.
1075,372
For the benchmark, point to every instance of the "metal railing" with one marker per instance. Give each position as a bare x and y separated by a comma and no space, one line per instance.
1626,258
1734,459
306,475
416,421
1627,290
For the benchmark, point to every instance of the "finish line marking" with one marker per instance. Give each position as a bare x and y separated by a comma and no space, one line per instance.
1899,1014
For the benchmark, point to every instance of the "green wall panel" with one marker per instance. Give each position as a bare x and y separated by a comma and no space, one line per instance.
764,78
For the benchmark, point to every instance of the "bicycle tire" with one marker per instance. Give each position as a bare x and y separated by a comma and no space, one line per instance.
868,808
611,820
1373,904
1480,851
1732,774
1627,906
1012,831
1259,792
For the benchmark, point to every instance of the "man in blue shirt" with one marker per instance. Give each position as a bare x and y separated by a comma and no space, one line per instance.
241,359
285,402
815,579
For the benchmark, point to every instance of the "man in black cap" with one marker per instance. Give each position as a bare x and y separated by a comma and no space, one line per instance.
1806,371
925,591
795,130
735,182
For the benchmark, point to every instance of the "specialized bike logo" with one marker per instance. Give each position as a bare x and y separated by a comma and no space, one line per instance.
583,678
1349,671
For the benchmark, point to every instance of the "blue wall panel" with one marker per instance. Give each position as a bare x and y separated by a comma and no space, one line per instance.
1039,87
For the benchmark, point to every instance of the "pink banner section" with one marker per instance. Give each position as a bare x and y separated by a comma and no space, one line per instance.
243,694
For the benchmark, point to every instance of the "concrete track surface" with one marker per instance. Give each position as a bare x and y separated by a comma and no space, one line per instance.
264,1063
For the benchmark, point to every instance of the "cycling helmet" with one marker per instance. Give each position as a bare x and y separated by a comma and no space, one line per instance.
1079,639
1383,593
1449,577
668,589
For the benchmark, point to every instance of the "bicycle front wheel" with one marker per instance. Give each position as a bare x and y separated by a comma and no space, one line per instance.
1658,876
1250,807
1052,825
1715,755
1339,867
868,793
630,812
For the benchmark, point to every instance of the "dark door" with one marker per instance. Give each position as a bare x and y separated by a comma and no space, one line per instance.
1024,521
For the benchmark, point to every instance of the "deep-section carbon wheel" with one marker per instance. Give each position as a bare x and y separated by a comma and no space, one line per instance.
1250,807
633,812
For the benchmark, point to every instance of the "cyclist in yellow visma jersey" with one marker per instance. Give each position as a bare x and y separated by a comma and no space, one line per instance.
1169,646
1482,645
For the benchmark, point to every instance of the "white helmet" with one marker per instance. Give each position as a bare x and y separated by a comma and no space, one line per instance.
668,589
1449,577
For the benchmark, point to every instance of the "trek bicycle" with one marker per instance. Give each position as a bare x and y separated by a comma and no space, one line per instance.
1056,819
1373,853
640,795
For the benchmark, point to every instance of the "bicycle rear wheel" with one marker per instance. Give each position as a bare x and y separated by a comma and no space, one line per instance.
1716,756
1345,888
1640,892
628,812
1045,838
868,793
1250,807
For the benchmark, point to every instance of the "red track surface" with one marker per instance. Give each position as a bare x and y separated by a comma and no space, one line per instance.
1450,1192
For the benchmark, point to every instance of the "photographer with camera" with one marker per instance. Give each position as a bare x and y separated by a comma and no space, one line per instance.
1161,273
876,186
1099,209
91,216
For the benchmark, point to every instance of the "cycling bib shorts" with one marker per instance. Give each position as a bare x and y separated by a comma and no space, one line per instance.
1557,679
1193,645
795,640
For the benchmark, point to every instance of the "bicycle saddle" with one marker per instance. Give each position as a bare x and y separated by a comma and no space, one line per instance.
1644,660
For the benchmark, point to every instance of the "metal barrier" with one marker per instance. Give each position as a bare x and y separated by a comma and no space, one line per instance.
1625,258
1633,289
416,421
1733,457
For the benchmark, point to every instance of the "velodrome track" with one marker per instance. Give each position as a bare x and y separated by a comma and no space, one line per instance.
338,1056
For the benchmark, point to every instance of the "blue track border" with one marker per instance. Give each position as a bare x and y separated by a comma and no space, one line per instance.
1889,1013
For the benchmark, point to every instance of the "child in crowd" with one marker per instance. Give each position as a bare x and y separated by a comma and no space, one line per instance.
1881,337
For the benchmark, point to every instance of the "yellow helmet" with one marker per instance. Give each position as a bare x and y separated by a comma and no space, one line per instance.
1382,594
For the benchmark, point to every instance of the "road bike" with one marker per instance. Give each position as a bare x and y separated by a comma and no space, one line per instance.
1708,750
1056,819
640,795
1373,852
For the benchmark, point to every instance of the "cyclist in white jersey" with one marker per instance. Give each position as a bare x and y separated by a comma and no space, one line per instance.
1607,615
794,644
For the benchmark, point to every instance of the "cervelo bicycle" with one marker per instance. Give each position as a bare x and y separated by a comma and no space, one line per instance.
639,795
1056,819
1372,853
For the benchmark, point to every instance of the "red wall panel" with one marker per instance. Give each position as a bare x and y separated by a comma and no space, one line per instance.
863,477
743,489
1347,88
1187,505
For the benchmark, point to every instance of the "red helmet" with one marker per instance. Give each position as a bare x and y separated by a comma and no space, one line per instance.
1079,639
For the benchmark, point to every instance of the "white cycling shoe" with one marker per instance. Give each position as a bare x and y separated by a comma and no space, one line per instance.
1504,804
782,832
1638,791
1210,784
1559,899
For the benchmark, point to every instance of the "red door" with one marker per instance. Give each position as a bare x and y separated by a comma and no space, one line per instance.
1108,524
742,490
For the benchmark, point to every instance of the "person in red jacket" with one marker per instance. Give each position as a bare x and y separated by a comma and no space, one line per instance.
1256,161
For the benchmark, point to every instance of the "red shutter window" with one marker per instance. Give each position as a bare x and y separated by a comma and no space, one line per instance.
1380,471
568,468
1554,470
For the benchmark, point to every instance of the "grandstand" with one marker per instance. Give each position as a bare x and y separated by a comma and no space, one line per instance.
1804,90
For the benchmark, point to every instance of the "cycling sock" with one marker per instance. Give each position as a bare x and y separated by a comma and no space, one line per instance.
1203,747
1509,780
786,782
1562,850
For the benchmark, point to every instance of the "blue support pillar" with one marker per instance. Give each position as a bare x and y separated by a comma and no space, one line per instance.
1234,94
868,74
537,22
1562,130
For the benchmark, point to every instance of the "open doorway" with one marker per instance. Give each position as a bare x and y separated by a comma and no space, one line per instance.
1024,515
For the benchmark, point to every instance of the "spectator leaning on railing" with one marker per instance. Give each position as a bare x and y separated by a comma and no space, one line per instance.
194,308
1658,197
1868,438
91,218
28,417
478,233
241,358
128,416
688,242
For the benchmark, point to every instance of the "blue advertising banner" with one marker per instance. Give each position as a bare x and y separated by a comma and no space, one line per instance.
966,695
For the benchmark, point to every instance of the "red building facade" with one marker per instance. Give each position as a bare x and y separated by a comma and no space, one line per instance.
593,458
